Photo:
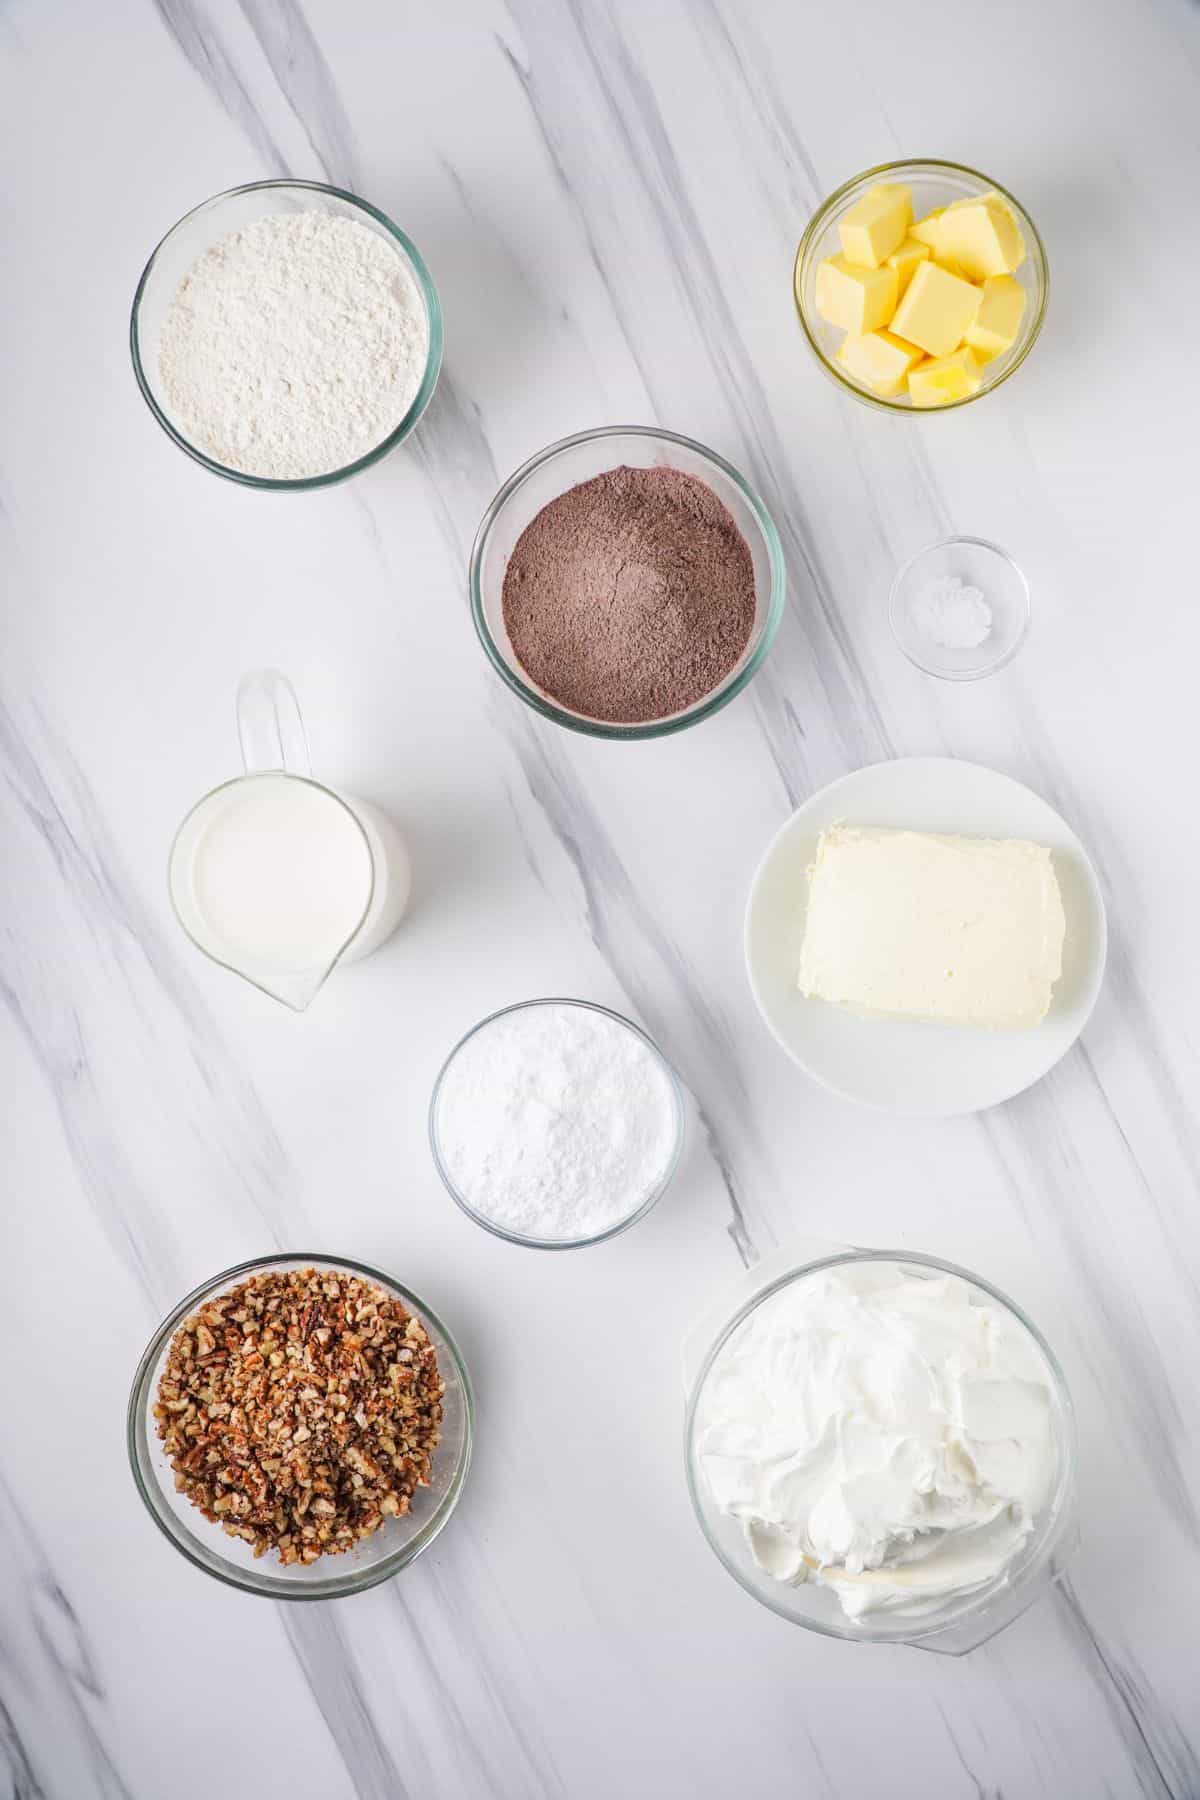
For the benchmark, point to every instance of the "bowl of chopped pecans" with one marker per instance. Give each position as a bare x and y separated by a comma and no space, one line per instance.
301,1427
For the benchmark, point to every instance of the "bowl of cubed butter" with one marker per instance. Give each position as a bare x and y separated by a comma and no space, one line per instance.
921,286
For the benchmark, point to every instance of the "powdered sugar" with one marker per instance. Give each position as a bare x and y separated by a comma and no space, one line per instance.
556,1121
294,346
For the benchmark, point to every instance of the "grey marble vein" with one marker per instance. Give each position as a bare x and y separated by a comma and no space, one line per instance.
23,1783
612,902
196,32
65,827
45,1654
1135,1368
983,1790
529,1772
1122,988
1166,1764
328,1662
305,78
787,155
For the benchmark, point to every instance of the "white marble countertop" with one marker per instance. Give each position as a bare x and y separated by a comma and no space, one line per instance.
609,198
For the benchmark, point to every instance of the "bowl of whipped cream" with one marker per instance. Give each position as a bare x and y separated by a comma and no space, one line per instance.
880,1446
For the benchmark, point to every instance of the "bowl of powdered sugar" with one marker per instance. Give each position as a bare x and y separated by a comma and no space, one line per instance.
556,1123
286,334
626,582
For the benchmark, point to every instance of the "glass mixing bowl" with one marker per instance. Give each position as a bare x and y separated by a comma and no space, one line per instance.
564,465
955,1624
206,225
390,1549
562,1243
933,184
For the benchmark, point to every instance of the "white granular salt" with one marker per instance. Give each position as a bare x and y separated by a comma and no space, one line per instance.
556,1122
953,615
294,346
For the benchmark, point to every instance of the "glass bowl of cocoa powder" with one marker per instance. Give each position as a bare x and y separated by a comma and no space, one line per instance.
301,1426
626,582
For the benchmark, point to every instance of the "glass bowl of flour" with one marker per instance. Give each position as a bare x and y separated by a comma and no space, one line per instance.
556,1124
286,335
881,1447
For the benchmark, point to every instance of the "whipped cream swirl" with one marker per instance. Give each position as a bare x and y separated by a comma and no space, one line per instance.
888,1434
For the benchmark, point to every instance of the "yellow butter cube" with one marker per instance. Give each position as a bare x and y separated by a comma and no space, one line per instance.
991,198
981,236
878,360
904,260
857,299
875,224
926,230
936,310
951,267
940,380
996,324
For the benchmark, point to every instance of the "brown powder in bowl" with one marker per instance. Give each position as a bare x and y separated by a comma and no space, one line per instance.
631,596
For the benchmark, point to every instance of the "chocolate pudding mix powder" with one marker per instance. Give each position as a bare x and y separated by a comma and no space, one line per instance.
631,596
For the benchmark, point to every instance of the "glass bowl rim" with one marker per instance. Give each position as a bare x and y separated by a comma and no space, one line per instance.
1067,1442
610,1231
944,543
709,703
433,362
816,225
273,1586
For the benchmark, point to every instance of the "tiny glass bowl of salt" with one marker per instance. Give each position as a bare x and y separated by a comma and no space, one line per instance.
960,608
286,335
556,1124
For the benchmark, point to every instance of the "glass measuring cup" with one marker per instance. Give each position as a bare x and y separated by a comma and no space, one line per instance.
275,875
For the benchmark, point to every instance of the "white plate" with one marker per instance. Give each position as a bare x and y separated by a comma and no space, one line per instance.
930,1070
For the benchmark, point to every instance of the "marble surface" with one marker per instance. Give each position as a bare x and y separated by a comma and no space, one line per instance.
609,197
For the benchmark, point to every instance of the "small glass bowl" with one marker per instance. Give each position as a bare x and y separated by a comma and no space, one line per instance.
976,563
206,225
960,1623
933,184
580,458
397,1543
566,1243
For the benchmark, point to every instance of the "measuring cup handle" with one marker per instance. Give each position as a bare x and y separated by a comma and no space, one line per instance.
270,729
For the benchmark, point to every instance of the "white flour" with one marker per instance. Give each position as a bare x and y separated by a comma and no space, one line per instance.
294,345
556,1122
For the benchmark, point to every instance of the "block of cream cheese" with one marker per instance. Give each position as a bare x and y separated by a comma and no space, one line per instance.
953,930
